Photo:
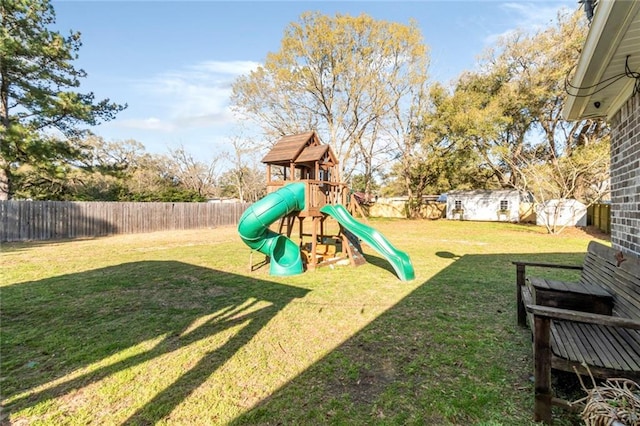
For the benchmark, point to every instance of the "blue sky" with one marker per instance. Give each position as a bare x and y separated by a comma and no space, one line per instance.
173,62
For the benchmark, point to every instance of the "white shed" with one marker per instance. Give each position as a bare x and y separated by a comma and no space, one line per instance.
484,205
560,213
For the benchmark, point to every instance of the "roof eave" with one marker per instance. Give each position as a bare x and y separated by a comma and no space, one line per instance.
605,34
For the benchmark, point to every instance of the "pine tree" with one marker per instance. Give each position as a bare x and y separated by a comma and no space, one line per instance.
37,96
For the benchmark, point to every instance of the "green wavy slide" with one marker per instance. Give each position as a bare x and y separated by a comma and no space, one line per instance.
398,259
254,231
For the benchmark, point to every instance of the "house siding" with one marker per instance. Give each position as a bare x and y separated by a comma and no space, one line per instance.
625,177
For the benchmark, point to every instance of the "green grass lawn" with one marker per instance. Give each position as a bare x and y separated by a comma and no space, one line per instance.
172,328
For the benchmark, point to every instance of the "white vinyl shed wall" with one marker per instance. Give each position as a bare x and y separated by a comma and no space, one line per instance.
565,212
484,205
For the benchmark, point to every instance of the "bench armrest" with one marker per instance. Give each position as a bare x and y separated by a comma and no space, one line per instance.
577,316
547,265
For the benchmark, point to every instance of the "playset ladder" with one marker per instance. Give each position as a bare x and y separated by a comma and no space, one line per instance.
287,222
351,244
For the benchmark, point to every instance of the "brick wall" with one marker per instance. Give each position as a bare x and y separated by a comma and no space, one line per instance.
625,177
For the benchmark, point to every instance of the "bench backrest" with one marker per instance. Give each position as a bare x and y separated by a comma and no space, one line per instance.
602,266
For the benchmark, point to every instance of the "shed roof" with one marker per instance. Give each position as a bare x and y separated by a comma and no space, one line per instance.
484,192
288,148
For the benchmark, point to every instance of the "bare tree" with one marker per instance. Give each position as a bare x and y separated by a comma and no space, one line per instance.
345,77
245,177
192,174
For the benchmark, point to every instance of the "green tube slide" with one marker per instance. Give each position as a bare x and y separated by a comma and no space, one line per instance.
397,258
254,231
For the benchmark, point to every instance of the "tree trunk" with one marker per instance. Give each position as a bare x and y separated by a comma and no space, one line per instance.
5,181
411,195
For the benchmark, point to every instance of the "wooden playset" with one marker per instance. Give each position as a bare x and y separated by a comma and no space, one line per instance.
303,183
303,158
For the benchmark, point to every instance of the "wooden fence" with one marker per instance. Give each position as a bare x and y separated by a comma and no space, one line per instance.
47,220
599,215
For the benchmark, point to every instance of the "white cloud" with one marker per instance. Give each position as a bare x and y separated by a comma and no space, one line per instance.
193,96
530,16
233,68
151,123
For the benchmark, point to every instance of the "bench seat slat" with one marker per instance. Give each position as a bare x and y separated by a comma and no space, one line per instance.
630,339
614,354
591,349
564,344
601,346
611,353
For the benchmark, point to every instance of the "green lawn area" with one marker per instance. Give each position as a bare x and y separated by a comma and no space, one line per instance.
172,328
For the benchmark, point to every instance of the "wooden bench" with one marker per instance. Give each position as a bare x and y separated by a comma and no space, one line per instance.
592,323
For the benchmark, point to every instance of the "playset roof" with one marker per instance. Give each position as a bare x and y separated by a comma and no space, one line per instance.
311,154
300,148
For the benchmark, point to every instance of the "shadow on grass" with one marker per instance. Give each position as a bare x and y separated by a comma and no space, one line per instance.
19,246
448,353
447,255
595,232
380,262
56,326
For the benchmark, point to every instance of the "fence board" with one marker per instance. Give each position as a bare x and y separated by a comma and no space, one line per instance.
46,220
599,215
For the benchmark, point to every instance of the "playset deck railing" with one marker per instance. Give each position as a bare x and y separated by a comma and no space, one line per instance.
317,194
